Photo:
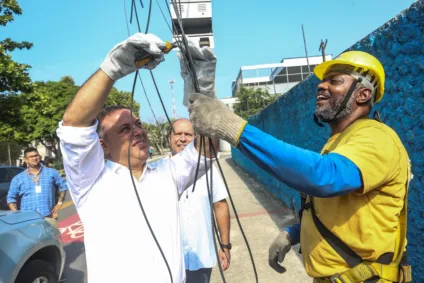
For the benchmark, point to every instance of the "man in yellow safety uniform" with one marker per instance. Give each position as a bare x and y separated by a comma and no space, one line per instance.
353,227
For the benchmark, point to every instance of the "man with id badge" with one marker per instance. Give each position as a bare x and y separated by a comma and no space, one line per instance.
35,188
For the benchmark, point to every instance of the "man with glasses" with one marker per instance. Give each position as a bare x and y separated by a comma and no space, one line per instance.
35,188
195,211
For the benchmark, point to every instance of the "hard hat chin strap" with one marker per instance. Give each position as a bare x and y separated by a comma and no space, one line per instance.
348,95
344,102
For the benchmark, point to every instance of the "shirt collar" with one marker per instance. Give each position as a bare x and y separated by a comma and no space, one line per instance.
119,168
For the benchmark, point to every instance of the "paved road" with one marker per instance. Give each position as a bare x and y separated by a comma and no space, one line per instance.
261,217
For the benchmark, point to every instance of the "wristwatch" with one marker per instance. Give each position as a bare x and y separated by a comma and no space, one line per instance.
59,203
228,247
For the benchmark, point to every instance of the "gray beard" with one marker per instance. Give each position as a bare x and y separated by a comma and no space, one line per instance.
329,114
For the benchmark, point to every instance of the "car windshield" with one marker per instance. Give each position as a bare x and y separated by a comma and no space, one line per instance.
4,176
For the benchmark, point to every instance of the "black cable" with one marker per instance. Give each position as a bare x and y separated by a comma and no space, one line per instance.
214,223
237,218
141,3
136,15
210,194
191,70
161,101
148,16
139,76
161,11
176,38
148,101
132,11
198,165
129,155
184,39
132,179
195,83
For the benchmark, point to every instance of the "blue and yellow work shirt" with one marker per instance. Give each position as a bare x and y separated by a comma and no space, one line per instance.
359,190
23,189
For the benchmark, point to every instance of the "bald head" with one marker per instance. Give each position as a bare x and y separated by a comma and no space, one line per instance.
181,136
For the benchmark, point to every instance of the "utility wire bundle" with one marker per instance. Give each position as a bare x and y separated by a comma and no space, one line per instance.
189,64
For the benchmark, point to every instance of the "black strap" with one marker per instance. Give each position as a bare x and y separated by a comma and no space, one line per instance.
348,95
351,258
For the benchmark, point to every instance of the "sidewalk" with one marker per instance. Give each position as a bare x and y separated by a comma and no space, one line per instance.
262,217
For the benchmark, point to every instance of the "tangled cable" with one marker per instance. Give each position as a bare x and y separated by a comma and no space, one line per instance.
189,64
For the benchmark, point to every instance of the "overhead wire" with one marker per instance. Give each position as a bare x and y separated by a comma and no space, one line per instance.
176,39
188,61
139,77
195,82
210,194
129,149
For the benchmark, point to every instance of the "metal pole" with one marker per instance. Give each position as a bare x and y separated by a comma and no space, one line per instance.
173,100
8,151
322,48
306,50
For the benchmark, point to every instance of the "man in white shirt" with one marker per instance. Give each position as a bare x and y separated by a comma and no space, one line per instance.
195,210
119,245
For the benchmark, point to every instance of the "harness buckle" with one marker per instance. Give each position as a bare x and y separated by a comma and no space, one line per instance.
336,278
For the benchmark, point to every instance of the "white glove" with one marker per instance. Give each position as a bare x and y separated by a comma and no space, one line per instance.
120,61
204,61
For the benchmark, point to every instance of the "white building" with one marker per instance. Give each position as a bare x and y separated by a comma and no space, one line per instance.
277,78
196,18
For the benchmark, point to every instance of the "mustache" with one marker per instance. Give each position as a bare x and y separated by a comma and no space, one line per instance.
324,93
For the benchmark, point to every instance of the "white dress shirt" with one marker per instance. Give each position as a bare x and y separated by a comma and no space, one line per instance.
119,247
195,209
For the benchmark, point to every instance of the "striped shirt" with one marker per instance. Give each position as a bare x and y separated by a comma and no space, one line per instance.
23,189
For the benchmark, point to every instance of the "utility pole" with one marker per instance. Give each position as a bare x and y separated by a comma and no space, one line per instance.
322,48
306,51
171,82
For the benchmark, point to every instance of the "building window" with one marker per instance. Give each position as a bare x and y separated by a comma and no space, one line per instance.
204,41
294,70
295,78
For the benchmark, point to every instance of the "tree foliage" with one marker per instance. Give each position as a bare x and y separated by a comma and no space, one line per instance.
14,76
37,113
123,98
252,100
158,134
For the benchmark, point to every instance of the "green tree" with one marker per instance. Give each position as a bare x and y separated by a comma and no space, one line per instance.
158,135
14,76
122,98
40,112
252,100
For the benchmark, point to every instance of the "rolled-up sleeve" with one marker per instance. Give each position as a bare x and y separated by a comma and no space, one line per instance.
83,159
12,195
185,164
60,182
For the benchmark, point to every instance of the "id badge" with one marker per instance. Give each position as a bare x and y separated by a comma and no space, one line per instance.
38,189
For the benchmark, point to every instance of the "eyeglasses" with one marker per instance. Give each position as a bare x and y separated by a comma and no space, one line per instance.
33,156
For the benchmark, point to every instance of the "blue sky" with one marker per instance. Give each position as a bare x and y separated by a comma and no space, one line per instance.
73,37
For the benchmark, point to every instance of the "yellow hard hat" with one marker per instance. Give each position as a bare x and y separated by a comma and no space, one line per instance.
364,64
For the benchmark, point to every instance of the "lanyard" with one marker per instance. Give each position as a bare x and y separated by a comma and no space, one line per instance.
37,178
